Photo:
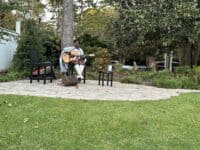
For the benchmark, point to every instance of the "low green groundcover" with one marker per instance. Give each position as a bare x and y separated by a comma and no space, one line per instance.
12,75
164,79
47,123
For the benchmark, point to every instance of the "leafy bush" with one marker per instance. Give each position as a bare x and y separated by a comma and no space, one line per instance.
92,75
167,82
196,74
172,82
12,75
88,41
188,83
133,79
138,77
118,68
183,70
102,59
162,79
51,44
30,39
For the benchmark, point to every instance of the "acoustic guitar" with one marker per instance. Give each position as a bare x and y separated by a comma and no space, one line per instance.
73,56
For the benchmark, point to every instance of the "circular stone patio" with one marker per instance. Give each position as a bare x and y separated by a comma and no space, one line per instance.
90,91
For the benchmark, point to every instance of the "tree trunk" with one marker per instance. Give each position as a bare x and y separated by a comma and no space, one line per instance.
67,24
195,53
122,59
185,54
189,54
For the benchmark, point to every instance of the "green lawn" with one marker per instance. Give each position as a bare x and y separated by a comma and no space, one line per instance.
28,123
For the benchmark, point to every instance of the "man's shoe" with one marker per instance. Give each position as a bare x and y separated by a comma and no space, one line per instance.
79,80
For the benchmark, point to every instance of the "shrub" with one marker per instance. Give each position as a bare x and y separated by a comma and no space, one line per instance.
147,75
30,39
162,79
167,82
51,44
102,59
92,75
132,79
196,74
118,68
188,83
183,70
12,75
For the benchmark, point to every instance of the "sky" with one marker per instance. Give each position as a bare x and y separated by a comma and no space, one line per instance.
48,15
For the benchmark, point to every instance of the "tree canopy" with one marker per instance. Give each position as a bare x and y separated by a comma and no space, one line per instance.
156,24
135,28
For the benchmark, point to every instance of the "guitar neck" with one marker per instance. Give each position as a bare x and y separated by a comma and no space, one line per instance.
89,55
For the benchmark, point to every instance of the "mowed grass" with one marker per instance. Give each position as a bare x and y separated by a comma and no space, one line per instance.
34,123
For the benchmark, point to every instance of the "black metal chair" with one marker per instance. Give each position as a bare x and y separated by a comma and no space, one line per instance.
104,75
70,71
37,64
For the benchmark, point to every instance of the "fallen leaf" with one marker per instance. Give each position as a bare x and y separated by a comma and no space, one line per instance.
26,120
9,104
36,127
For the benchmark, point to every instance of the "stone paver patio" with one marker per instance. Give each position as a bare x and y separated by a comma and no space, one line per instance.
90,91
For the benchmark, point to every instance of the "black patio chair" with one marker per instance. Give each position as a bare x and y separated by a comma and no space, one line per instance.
37,64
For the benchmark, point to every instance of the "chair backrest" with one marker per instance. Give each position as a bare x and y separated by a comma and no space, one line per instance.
34,55
110,68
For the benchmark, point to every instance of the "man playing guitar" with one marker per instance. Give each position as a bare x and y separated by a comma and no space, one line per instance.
73,55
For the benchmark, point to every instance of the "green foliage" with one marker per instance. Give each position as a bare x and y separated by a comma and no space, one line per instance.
184,70
165,79
169,81
197,70
23,9
94,29
7,20
102,59
133,79
30,39
92,74
91,44
148,27
118,68
95,21
12,75
51,44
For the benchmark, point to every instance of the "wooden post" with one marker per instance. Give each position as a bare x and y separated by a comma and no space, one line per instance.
171,61
166,62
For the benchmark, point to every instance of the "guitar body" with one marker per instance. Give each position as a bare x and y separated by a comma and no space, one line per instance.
73,57
70,57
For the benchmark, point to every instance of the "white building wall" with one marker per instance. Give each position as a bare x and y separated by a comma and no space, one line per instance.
7,49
